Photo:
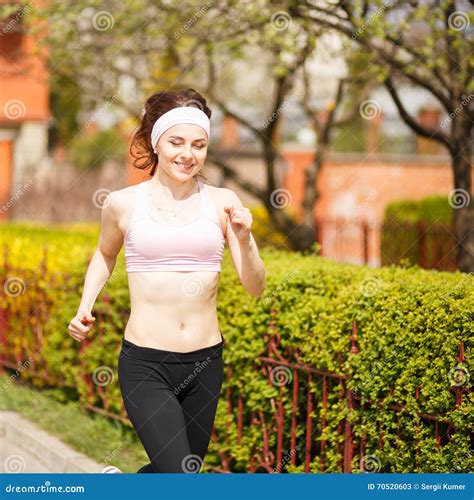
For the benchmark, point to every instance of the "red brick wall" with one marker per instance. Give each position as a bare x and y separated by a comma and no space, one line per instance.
24,92
6,171
359,190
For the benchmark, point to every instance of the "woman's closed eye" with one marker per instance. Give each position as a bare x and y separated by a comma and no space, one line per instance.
176,144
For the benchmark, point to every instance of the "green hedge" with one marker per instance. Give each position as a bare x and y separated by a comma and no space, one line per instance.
410,325
400,238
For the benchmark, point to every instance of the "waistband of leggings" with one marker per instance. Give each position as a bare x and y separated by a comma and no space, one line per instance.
152,354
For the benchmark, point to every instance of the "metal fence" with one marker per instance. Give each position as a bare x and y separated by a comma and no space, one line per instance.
431,246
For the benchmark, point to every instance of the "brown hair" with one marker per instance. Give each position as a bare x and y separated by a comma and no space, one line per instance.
156,105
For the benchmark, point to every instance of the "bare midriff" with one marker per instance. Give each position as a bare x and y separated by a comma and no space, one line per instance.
173,311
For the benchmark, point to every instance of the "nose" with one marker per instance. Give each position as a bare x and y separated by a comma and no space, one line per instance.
186,152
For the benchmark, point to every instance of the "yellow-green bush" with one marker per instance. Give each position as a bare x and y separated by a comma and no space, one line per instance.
410,323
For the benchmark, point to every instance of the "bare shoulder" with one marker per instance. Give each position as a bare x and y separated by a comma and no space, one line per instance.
121,202
223,197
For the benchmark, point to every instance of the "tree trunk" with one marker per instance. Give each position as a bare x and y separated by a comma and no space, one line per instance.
461,199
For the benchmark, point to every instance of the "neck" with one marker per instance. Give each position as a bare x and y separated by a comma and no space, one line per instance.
173,188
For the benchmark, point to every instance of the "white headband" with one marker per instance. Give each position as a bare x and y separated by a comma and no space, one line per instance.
183,114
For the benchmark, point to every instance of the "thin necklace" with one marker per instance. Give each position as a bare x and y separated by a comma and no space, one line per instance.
173,211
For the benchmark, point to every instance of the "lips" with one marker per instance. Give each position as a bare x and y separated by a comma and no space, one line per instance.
185,167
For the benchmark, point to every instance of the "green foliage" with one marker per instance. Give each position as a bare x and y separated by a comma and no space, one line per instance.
430,209
401,232
410,324
90,149
65,105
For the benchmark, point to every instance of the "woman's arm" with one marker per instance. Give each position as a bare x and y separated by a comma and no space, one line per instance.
242,246
252,267
100,268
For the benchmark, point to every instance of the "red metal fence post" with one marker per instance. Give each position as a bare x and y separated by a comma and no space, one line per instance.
422,244
365,233
3,315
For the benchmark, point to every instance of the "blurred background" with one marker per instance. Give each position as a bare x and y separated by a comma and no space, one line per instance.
332,136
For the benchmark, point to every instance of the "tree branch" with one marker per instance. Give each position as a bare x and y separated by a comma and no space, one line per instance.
388,58
212,79
230,173
415,126
311,112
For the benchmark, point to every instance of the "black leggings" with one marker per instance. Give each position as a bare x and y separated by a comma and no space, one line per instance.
171,399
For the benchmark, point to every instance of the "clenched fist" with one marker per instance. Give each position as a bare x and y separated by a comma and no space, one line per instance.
81,325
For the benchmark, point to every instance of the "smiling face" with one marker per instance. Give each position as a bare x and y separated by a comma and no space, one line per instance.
182,150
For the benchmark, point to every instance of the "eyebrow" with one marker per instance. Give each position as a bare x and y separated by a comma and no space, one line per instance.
178,137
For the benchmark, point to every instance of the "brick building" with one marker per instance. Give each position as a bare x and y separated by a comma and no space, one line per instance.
24,106
354,188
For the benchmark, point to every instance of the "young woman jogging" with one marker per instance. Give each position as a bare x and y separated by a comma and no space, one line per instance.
173,227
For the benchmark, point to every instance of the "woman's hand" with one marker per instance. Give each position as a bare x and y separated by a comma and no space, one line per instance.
81,325
240,222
